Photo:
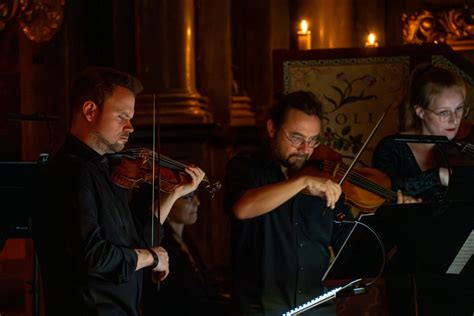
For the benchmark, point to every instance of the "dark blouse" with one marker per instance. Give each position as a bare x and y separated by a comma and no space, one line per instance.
280,257
397,161
85,237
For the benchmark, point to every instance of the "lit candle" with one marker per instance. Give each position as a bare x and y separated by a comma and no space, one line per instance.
371,41
304,36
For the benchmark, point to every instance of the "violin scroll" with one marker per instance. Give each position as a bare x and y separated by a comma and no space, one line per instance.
212,187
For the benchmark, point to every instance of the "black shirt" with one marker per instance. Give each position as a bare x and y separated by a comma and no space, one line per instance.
279,257
85,237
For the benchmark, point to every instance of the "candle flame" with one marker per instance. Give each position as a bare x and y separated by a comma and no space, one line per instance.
371,38
304,26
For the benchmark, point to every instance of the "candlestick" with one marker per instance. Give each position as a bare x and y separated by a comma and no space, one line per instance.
371,41
304,36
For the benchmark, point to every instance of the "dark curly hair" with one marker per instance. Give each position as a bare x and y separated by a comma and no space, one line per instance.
300,100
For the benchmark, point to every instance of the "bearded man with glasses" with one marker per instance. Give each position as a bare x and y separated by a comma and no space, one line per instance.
281,227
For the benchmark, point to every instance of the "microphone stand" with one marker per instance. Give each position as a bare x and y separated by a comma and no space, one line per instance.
351,288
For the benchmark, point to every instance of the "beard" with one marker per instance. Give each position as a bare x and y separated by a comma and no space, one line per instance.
106,145
293,162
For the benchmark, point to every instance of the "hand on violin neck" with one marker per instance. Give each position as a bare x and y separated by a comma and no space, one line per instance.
324,188
166,203
168,199
196,174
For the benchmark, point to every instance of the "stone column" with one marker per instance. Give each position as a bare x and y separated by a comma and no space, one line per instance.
166,63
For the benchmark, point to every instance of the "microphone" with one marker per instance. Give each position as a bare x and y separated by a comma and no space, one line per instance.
427,139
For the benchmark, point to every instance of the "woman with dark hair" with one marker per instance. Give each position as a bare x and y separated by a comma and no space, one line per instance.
189,289
433,105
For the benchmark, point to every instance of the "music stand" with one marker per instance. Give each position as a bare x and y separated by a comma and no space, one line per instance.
19,190
423,241
16,187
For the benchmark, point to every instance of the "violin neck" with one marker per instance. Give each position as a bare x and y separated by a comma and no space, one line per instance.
176,165
369,185
467,148
360,180
169,163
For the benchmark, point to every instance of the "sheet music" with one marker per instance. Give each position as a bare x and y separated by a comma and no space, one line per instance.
463,256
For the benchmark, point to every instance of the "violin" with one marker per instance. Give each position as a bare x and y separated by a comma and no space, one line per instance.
460,150
465,148
464,131
137,166
464,142
365,188
360,189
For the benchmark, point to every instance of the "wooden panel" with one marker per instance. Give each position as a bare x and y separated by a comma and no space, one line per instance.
9,130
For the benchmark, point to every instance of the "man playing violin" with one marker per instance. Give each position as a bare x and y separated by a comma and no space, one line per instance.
282,224
91,249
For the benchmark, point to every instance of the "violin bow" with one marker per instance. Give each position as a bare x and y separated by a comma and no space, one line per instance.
153,184
356,158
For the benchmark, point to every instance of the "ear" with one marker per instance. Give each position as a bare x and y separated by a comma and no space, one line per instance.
90,110
419,111
271,130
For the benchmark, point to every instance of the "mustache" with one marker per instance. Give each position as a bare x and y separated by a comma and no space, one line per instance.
305,156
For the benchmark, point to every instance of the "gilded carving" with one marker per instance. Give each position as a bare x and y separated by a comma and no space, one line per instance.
41,19
38,19
453,26
8,10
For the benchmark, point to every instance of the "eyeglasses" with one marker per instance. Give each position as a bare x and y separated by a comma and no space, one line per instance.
298,141
445,115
